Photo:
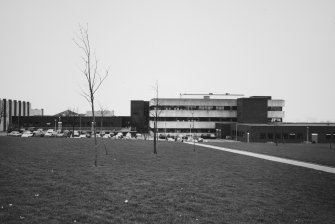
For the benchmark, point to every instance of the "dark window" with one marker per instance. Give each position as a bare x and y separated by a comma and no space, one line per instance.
262,136
328,136
292,135
278,136
270,135
285,135
299,136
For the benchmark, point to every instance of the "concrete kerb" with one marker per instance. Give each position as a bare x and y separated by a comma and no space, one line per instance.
272,158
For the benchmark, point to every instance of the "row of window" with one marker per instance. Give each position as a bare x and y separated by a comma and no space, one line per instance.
289,136
227,108
184,130
195,119
275,108
280,136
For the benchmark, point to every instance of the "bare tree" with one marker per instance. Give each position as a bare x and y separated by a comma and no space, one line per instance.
93,77
155,114
103,112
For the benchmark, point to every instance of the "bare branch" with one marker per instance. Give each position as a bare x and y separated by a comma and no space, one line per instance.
86,96
101,80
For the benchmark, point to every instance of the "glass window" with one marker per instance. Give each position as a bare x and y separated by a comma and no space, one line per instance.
299,136
292,135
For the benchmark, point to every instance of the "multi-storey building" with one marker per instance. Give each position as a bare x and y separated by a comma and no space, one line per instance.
180,116
10,108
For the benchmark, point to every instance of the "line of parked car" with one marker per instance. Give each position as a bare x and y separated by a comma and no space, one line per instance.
70,134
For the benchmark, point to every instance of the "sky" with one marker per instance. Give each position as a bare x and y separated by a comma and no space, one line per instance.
284,49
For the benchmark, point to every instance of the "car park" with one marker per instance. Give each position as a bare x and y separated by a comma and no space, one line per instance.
15,134
27,134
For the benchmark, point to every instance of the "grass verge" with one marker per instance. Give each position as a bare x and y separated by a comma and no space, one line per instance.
53,181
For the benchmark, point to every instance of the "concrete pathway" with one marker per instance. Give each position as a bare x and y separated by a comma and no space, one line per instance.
272,158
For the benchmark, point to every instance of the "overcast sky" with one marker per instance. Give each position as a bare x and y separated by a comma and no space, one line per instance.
285,49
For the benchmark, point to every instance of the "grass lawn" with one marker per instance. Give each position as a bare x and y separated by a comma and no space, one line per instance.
313,153
53,181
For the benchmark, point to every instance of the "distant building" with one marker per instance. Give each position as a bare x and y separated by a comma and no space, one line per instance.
10,108
67,113
106,113
36,112
83,123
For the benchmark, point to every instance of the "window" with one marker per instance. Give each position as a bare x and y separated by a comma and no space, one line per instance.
292,135
262,135
278,136
285,135
270,135
299,136
328,136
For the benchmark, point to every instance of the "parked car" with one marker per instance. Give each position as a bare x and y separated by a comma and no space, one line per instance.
50,133
27,134
38,133
128,135
60,135
119,135
15,134
208,136
106,136
82,135
75,134
200,139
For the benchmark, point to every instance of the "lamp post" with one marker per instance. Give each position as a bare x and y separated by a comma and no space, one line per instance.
55,124
307,134
193,133
236,131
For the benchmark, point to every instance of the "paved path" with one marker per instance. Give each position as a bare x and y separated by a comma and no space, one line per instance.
272,158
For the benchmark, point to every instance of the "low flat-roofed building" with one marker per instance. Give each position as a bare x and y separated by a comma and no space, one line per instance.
277,132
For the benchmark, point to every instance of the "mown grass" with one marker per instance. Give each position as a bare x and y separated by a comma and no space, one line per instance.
314,153
54,181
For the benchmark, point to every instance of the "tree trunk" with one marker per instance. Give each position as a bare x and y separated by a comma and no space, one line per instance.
155,135
94,133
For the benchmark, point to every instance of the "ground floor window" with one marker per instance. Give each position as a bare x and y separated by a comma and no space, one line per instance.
328,136
292,135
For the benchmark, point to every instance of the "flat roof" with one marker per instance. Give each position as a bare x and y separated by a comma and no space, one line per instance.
306,124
